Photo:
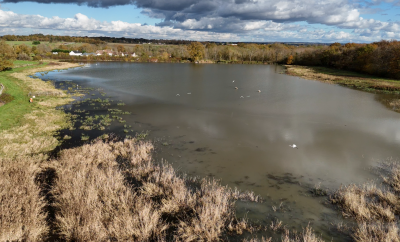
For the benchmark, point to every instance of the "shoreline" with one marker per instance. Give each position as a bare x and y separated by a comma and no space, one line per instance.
48,189
387,89
69,172
29,128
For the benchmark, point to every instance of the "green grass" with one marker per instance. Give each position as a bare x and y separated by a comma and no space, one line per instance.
19,63
337,72
11,114
28,43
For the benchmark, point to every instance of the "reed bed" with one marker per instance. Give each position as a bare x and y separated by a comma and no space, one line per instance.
22,216
375,209
114,191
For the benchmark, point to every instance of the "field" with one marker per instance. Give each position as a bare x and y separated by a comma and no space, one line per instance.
29,127
53,45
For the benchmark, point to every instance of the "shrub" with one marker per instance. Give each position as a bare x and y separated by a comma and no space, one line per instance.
36,42
23,56
6,98
37,58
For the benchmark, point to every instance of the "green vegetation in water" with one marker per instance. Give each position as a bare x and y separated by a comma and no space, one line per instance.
84,137
142,135
67,137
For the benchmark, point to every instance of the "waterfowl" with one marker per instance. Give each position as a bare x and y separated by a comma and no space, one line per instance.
236,88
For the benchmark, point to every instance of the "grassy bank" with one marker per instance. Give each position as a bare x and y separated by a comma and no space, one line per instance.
352,80
26,127
346,78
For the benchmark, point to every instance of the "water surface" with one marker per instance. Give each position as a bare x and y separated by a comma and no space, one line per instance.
206,127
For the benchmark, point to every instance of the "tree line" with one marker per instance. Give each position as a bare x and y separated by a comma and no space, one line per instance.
379,58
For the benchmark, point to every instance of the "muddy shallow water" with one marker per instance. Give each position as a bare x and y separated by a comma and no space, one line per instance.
205,127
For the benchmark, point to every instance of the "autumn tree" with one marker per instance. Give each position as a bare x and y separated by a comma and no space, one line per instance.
7,56
42,49
120,48
23,48
251,50
289,60
196,51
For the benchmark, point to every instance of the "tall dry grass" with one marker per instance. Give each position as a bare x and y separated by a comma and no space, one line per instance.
375,209
114,191
22,216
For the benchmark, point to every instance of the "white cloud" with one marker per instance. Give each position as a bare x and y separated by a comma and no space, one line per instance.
261,30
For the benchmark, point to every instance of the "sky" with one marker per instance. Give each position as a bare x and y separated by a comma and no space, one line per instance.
326,21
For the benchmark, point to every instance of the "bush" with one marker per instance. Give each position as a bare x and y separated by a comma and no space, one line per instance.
60,50
23,56
6,98
37,58
36,42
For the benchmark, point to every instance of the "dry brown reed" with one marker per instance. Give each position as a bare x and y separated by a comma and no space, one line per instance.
376,209
22,216
114,191
307,235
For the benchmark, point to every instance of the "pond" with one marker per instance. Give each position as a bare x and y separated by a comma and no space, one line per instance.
237,123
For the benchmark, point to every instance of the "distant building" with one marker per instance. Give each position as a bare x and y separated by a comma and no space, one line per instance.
134,55
55,53
75,53
104,52
89,54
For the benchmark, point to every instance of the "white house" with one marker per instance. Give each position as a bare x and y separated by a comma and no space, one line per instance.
134,55
75,53
106,52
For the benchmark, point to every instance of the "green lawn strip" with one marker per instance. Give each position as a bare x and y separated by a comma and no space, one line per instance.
28,43
20,63
11,114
